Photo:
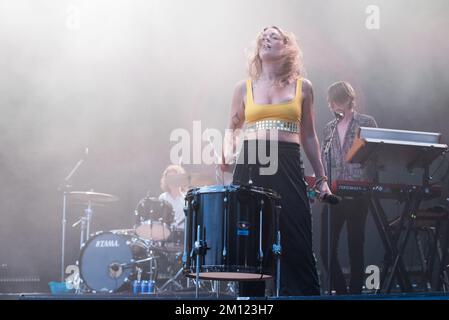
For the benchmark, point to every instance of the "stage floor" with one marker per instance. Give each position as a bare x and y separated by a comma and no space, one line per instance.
209,296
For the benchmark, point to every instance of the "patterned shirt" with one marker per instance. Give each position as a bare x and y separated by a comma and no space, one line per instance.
342,170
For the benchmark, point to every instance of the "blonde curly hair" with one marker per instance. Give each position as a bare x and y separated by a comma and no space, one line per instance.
292,66
171,168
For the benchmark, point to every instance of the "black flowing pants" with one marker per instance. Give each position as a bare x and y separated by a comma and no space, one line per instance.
298,263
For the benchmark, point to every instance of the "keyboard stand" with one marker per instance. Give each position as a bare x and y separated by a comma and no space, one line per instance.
395,148
393,264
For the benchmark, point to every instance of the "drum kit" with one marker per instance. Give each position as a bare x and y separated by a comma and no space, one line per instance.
231,234
151,251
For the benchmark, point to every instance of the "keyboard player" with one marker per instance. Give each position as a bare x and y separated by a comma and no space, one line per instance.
342,102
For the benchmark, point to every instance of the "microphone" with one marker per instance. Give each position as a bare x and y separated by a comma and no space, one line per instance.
331,199
339,115
327,198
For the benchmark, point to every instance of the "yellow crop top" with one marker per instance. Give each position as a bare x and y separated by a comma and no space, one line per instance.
282,116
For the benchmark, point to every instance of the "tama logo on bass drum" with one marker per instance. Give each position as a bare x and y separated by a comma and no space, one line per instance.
107,244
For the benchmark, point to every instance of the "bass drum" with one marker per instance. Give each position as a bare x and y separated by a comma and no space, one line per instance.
107,261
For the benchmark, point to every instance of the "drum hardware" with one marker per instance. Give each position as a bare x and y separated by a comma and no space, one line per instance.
277,250
200,249
229,288
139,274
216,288
173,280
85,224
225,210
184,254
260,234
91,198
116,269
65,187
180,271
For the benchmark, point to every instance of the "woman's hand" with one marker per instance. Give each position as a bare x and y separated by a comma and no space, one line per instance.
226,167
324,190
227,162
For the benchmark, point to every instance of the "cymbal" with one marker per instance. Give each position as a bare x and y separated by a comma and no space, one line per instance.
92,196
83,203
189,179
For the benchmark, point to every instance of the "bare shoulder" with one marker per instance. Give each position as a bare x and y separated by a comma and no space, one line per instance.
238,100
238,105
307,88
240,88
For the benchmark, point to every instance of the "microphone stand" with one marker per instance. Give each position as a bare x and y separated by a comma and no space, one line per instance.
327,153
64,187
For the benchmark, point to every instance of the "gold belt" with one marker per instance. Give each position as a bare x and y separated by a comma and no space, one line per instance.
289,126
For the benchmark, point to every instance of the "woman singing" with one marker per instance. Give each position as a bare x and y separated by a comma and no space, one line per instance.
275,108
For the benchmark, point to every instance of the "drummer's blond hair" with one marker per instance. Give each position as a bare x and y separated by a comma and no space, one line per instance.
171,168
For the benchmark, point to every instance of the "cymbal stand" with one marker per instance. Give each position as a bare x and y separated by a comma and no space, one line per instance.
65,187
63,228
85,224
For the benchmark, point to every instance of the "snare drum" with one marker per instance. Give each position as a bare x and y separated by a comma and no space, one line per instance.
239,225
153,217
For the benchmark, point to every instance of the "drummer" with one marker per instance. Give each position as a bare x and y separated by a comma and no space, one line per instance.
174,193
